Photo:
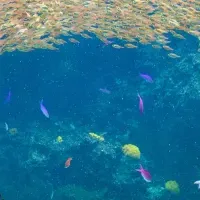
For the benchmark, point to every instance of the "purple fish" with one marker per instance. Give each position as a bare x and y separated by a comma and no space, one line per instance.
104,90
8,97
141,105
43,109
145,174
146,77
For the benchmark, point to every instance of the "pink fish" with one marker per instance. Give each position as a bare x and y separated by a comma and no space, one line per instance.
146,77
43,109
141,105
145,174
68,162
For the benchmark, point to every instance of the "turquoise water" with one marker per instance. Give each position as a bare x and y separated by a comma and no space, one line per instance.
69,81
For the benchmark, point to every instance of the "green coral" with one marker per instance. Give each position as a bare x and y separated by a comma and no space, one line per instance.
172,186
131,150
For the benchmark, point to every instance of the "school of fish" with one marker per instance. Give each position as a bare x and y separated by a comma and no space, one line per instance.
30,24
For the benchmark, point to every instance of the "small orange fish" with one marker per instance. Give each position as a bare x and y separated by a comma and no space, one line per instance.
68,162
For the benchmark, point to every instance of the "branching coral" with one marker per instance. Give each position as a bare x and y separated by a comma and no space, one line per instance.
155,192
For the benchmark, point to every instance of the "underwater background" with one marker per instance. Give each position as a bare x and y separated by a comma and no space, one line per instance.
91,125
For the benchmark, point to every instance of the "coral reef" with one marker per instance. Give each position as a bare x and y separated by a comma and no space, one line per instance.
155,192
79,193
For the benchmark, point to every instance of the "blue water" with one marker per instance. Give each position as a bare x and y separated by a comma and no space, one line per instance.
68,80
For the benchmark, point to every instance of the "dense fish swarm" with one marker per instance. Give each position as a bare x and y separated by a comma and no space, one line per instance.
29,24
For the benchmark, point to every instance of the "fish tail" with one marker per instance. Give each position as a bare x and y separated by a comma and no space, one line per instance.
138,170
